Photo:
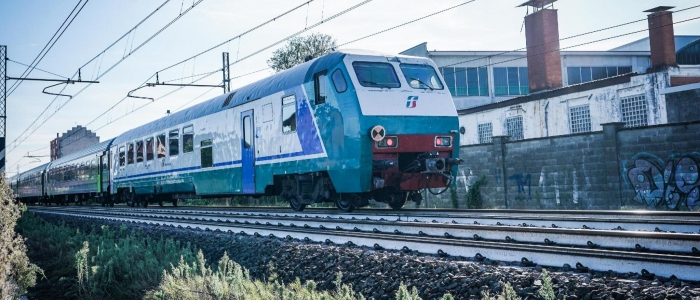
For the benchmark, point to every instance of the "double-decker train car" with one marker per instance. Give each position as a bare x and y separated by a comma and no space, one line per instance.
78,176
30,185
346,127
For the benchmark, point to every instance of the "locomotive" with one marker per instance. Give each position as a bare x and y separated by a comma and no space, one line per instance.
345,127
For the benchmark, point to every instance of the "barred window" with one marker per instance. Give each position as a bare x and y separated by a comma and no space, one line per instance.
485,132
514,128
580,118
634,111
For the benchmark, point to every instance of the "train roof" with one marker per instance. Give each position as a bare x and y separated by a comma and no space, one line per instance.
33,170
96,148
278,82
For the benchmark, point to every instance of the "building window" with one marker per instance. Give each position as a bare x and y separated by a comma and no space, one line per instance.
580,118
578,75
514,128
634,111
510,81
485,132
466,81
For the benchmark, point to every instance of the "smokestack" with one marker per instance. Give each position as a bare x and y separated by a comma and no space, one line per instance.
542,40
661,38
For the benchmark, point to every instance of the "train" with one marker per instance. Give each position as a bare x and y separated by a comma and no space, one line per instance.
346,127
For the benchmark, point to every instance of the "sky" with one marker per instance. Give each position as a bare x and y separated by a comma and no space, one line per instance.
27,25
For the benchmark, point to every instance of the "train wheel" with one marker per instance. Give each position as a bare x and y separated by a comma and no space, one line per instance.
175,202
144,202
296,204
396,200
345,204
160,202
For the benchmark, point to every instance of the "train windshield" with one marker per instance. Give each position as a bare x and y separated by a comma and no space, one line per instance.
376,74
421,76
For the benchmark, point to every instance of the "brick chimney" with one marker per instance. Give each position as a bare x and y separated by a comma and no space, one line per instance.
542,41
661,38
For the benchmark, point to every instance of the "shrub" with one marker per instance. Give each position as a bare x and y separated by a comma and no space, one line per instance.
229,280
546,291
453,196
17,273
103,263
473,196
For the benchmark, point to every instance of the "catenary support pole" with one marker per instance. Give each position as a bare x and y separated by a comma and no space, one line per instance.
227,73
3,105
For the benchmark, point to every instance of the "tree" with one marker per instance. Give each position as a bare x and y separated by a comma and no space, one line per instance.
298,49
16,272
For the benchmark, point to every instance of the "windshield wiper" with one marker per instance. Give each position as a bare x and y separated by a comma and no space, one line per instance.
423,83
377,84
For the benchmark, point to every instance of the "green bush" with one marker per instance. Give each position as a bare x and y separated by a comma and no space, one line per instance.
229,280
17,273
103,263
473,196
546,291
453,196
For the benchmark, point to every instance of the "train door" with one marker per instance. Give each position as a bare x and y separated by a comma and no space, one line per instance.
248,152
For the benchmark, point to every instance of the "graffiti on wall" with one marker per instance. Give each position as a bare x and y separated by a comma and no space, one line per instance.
664,184
523,181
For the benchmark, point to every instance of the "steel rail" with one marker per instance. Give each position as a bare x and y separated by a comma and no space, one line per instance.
670,223
611,239
682,266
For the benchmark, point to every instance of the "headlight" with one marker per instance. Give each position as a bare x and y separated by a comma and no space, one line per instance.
443,141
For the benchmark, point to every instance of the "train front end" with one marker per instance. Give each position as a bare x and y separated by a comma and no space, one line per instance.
408,127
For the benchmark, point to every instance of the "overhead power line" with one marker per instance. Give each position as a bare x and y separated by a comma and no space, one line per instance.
48,45
35,68
16,144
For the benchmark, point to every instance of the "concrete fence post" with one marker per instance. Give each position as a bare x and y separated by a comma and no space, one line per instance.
612,163
499,158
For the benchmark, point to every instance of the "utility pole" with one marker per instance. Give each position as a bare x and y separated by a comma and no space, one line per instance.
227,73
3,105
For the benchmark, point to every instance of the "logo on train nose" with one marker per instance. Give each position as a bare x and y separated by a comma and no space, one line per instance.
411,101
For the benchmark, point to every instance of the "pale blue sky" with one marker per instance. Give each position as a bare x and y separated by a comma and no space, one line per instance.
27,25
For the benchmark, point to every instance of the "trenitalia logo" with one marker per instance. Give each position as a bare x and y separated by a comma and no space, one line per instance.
411,101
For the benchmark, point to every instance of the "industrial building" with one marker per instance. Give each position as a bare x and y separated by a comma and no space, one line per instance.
547,92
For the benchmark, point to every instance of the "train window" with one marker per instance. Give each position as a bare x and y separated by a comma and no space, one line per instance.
122,158
247,132
139,151
207,157
174,142
421,76
339,81
376,74
161,146
289,114
130,153
149,148
187,139
320,87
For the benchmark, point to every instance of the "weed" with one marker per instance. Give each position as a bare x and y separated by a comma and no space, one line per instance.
473,196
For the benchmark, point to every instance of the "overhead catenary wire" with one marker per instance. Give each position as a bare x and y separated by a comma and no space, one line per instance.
50,45
99,76
35,68
260,70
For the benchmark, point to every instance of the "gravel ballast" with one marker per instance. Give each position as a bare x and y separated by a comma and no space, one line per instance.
378,273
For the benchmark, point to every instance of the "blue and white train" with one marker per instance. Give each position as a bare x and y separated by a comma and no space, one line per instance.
345,128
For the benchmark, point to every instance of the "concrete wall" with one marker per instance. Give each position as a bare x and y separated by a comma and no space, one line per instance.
654,167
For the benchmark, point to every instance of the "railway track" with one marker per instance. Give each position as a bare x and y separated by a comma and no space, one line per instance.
662,253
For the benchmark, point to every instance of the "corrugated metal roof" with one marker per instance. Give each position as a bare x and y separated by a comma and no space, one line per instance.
275,83
96,148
